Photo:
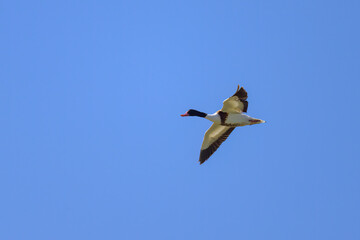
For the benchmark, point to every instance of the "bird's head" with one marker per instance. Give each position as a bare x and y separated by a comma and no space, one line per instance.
192,112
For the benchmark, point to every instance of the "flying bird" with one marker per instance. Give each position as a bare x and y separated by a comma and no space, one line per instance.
224,122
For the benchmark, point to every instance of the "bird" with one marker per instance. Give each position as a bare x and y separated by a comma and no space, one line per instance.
231,115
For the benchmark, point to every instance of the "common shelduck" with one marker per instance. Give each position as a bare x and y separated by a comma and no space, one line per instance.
224,122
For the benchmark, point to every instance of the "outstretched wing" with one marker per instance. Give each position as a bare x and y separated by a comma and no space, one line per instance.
236,103
213,138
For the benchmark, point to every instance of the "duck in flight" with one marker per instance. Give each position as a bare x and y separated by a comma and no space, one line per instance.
224,122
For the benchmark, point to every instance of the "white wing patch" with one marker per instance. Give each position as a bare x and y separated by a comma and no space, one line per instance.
212,134
233,105
214,137
236,103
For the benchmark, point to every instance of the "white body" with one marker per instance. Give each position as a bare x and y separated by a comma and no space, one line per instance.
215,118
233,119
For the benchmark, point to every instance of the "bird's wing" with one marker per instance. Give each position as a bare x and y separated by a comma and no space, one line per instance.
236,103
213,138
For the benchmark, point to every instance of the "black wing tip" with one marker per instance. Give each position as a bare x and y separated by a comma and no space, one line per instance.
241,93
246,104
203,158
202,161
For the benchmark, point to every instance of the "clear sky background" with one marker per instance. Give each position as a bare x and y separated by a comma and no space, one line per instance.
93,147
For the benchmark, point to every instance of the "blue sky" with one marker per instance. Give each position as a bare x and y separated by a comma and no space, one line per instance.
93,147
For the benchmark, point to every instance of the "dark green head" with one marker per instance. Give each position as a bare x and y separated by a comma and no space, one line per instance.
193,112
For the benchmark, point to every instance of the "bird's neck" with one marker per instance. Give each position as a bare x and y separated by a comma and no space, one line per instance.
198,114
